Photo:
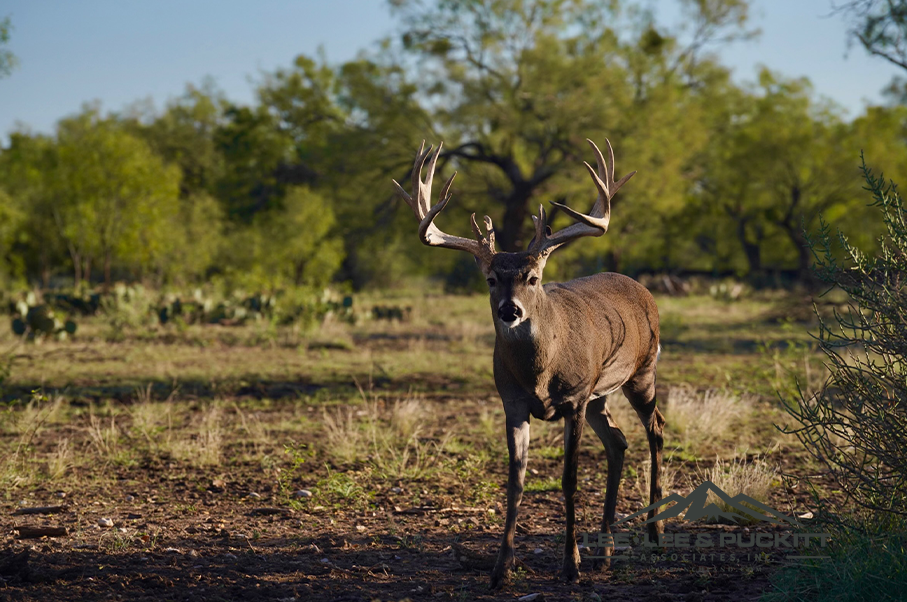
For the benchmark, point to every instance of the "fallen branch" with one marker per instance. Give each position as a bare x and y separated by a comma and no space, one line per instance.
40,510
269,511
38,532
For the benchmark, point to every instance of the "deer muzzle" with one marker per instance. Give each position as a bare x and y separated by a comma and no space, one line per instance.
510,312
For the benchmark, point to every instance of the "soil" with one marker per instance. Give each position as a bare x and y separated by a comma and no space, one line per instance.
231,533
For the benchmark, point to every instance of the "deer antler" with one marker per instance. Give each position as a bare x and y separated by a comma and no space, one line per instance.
593,224
419,202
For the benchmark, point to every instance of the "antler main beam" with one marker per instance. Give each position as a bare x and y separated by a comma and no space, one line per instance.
595,223
420,202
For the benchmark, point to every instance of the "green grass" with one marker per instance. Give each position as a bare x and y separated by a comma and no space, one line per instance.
868,562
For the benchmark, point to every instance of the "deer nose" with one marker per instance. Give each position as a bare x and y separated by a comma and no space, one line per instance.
509,311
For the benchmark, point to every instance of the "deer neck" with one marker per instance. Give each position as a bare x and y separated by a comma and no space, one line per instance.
532,346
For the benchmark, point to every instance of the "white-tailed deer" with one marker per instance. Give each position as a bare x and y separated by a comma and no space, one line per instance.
560,348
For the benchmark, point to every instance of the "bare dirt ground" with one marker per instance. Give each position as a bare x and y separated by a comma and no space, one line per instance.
287,482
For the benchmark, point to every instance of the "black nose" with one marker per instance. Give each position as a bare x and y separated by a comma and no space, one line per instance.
509,311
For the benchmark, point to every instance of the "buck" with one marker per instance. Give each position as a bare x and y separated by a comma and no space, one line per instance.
560,348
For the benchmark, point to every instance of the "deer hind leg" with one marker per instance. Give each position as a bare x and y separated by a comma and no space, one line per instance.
641,392
518,447
573,431
601,421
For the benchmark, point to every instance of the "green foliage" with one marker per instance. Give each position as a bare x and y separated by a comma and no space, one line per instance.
8,60
293,189
293,245
856,424
867,561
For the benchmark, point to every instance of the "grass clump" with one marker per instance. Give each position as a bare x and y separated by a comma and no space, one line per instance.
752,478
698,417
389,438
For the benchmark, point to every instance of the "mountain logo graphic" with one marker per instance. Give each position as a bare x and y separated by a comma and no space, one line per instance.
697,506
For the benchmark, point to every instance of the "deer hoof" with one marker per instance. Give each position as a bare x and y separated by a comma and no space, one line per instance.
500,573
602,564
570,574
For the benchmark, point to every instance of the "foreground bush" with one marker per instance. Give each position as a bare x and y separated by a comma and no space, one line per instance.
856,424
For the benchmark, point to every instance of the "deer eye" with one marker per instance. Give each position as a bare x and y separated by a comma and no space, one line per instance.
491,282
533,281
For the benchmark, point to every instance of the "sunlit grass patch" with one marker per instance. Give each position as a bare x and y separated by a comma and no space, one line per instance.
753,478
704,417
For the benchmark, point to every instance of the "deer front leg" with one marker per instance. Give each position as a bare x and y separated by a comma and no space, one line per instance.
573,430
518,446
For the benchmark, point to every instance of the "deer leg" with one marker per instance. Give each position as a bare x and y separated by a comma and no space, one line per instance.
573,430
601,421
518,446
641,393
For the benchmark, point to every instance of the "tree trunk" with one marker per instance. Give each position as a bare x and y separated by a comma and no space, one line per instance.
86,270
804,256
77,267
510,237
107,271
751,250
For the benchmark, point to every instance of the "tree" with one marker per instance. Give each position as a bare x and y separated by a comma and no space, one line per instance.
880,26
781,159
519,85
115,196
8,60
185,134
26,173
291,245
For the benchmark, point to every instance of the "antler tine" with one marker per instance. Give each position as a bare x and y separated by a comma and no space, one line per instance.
595,223
420,203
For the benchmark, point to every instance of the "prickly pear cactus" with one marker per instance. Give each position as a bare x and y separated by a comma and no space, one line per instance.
37,320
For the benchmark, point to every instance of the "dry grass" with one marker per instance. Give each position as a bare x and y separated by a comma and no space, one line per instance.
701,418
643,480
391,438
753,478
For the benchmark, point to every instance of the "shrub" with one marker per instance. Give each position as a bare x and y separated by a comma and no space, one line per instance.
856,423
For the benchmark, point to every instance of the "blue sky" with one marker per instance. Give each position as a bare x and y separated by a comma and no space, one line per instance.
121,51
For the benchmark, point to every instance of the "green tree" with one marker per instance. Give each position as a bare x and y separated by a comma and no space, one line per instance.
291,245
519,85
115,195
26,174
778,160
185,135
8,60
254,151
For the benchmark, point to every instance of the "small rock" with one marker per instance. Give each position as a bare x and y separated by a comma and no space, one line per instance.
806,516
193,553
23,503
360,528
533,472
396,490
123,530
254,495
302,493
539,597
538,551
172,551
129,498
325,561
105,522
60,494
